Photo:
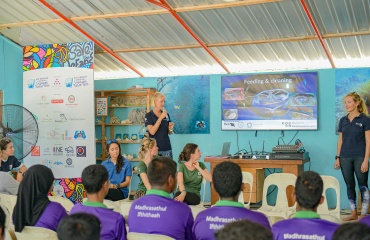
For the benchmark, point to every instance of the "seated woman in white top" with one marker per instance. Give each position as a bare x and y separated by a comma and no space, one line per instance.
8,185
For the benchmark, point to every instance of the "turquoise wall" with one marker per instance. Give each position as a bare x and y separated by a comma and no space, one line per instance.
11,73
321,144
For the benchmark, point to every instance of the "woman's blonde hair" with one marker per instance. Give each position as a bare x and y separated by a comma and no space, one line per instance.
146,144
361,108
156,96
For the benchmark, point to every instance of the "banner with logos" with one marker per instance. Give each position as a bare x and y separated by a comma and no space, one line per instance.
58,89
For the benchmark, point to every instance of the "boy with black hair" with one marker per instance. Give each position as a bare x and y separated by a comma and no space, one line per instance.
306,223
352,231
227,180
79,226
157,212
95,181
244,230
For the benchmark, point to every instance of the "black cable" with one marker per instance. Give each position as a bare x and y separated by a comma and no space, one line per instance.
281,140
237,139
293,137
271,191
241,150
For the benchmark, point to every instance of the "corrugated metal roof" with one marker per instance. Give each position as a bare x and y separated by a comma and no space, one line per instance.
275,35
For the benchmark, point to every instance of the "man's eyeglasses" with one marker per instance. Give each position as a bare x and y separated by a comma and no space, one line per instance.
111,141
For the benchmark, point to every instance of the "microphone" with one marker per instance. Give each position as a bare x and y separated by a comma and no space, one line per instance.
163,109
250,146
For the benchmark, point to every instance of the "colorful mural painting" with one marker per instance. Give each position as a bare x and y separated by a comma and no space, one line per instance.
70,188
80,55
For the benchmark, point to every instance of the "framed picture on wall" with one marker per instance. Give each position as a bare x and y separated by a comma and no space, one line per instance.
102,106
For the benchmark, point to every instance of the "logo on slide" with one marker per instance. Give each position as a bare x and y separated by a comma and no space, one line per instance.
81,151
35,151
69,161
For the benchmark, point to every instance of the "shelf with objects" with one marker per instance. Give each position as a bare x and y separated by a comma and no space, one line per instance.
120,115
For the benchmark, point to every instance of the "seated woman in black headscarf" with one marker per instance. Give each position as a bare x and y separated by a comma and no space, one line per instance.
33,207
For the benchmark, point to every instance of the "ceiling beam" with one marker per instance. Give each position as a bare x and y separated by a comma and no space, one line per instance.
139,13
241,43
318,34
164,4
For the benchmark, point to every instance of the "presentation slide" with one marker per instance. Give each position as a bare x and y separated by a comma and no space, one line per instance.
269,101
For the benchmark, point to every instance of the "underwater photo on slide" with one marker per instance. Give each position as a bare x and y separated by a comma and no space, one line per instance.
269,101
187,102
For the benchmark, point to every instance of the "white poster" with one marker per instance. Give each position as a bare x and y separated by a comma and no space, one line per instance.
62,101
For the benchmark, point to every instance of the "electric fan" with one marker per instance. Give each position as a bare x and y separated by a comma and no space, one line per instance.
18,124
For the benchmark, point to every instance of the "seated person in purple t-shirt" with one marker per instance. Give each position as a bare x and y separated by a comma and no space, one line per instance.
79,226
306,223
365,220
352,231
244,230
33,207
227,181
95,181
157,212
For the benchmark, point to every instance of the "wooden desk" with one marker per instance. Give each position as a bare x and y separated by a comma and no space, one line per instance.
288,166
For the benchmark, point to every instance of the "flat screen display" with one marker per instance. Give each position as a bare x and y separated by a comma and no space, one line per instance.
269,101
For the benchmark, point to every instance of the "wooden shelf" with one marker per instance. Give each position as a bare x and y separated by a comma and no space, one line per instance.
132,160
123,142
139,106
130,98
129,142
114,124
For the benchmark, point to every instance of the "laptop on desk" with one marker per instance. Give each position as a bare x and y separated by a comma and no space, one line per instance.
225,150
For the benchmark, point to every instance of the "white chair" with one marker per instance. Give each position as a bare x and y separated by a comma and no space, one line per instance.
36,233
281,208
9,234
145,236
66,203
330,182
7,202
247,179
331,218
203,194
125,208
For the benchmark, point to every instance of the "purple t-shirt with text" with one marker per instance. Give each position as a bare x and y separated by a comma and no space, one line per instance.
212,219
157,213
301,228
112,223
